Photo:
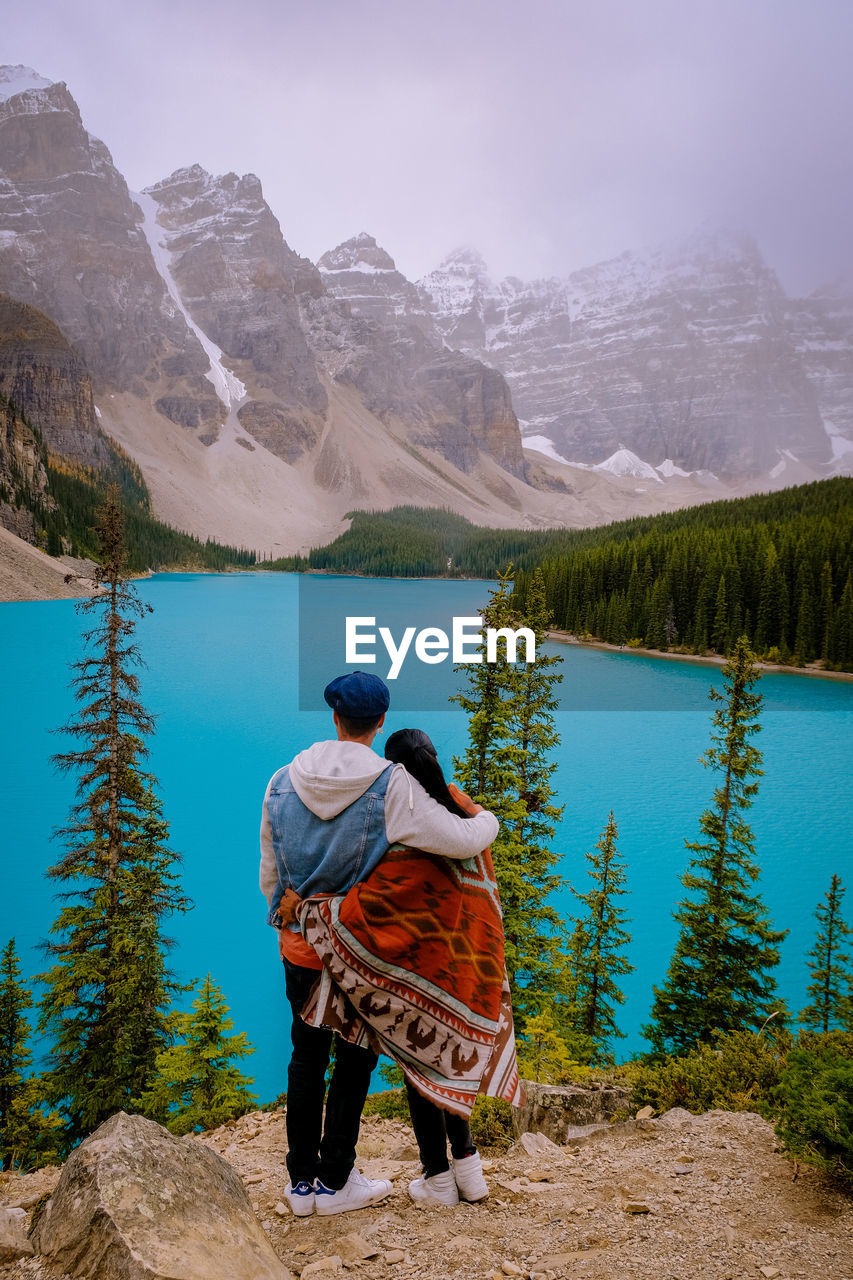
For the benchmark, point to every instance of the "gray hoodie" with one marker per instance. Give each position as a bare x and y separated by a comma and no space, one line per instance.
329,776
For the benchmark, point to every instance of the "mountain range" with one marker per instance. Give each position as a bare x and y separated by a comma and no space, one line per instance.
264,396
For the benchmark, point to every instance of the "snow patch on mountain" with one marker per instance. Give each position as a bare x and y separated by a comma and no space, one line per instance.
20,79
625,463
542,444
668,469
840,446
363,268
230,390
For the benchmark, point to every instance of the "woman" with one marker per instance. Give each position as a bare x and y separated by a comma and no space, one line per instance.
413,965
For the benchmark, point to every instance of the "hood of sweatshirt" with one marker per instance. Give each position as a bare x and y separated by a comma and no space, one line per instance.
329,776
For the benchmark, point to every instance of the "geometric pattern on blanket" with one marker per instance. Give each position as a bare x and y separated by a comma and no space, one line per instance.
413,966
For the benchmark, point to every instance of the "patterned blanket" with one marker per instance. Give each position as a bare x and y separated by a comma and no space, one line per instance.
413,966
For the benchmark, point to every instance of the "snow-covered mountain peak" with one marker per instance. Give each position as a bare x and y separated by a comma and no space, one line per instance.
710,258
20,79
359,253
194,193
456,290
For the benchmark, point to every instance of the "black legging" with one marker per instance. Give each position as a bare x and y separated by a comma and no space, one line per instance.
433,1127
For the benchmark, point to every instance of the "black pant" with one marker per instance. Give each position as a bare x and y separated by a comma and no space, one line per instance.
318,1150
433,1126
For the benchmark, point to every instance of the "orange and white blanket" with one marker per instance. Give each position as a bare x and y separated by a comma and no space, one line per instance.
413,966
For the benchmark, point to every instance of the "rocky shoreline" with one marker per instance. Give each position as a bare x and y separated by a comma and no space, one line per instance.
28,574
707,660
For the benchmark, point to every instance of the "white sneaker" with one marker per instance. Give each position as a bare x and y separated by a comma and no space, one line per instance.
468,1175
300,1198
357,1193
439,1189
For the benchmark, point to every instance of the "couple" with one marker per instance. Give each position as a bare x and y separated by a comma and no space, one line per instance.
379,879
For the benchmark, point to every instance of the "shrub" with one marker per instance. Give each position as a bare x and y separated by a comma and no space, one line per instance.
814,1100
391,1104
391,1073
491,1123
737,1073
277,1104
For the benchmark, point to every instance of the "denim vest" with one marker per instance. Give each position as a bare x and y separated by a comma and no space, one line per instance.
324,855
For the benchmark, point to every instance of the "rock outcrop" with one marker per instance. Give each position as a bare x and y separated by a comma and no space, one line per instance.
44,377
365,275
136,1203
13,1235
23,474
557,1111
682,1195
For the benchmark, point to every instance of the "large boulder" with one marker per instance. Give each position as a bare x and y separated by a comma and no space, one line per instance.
560,1110
136,1203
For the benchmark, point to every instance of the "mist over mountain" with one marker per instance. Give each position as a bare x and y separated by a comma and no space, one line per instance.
690,354
264,396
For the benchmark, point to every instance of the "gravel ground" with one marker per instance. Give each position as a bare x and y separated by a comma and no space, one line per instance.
680,1197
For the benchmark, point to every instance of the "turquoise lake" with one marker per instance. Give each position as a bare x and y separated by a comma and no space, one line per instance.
222,680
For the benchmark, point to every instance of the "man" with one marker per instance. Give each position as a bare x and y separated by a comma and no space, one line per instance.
328,818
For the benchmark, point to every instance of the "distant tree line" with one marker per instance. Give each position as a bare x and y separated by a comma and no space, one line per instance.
777,569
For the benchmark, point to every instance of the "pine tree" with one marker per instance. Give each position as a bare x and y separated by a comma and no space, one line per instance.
506,767
720,976
670,630
108,990
196,1085
28,1136
602,960
720,628
543,1055
831,987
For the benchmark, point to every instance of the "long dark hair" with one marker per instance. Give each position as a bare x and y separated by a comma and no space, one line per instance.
413,749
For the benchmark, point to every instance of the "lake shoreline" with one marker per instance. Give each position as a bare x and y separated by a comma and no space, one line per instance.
705,660
80,588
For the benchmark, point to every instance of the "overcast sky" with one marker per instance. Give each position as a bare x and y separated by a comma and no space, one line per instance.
548,134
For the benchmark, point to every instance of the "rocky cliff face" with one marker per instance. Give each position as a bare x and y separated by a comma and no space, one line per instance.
683,354
189,298
70,243
23,474
42,374
822,329
240,283
380,338
364,275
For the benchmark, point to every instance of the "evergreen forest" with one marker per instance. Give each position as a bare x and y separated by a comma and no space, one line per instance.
776,568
